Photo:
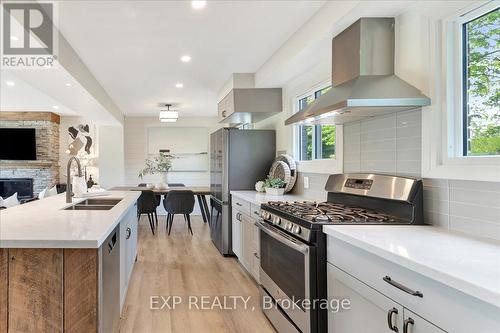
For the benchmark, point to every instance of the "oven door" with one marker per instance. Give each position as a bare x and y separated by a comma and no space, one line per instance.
285,272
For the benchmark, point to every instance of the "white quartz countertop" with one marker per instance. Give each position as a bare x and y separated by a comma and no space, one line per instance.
468,264
258,198
45,224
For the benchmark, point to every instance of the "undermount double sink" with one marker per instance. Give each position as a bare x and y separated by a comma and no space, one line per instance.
94,204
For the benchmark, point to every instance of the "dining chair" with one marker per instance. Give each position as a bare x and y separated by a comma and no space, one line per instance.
179,202
146,204
158,198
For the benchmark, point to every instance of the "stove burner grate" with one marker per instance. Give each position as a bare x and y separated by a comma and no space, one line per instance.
327,212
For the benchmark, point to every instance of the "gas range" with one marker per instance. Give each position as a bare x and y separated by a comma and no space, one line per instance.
293,246
299,217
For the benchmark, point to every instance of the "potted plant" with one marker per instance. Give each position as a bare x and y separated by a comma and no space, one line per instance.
161,164
275,186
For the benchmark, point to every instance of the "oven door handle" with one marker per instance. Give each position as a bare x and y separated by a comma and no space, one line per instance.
302,248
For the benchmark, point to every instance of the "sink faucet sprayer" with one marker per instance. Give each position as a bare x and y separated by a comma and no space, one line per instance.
69,191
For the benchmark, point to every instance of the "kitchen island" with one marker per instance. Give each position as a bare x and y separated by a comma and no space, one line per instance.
64,267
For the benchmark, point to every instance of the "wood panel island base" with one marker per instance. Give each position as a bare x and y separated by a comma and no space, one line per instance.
70,275
49,290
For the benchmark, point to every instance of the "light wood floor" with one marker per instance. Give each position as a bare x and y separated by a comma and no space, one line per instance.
184,265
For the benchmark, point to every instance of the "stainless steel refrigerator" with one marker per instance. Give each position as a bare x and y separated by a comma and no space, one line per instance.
238,159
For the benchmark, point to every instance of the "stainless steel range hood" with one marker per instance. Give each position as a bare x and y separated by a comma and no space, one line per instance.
363,79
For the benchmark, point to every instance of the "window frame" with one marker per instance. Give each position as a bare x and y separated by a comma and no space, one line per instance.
464,97
442,133
315,135
457,115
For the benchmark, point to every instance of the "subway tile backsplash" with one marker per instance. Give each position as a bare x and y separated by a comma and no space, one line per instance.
386,144
393,144
466,206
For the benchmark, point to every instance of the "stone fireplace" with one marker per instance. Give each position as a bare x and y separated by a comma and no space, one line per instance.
45,170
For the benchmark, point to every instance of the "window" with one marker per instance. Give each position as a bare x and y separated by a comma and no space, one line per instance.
481,85
315,141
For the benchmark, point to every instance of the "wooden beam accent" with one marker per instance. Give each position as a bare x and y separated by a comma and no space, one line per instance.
4,289
80,290
33,116
35,290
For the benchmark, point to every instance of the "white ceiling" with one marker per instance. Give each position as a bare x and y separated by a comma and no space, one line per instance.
133,47
15,98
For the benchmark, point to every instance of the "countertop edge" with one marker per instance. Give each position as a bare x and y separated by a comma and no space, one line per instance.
94,243
250,196
464,286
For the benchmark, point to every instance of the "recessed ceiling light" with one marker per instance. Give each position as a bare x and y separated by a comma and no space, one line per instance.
179,85
186,58
15,38
198,4
68,84
10,83
55,107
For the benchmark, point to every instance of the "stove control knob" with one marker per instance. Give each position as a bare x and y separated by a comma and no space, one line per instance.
289,226
262,214
276,220
296,229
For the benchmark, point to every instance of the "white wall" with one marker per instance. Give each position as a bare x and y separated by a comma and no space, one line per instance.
136,146
111,156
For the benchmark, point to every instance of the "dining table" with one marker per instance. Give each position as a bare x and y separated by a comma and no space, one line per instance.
199,191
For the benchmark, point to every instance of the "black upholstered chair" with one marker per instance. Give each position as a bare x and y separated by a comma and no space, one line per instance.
158,198
179,202
146,204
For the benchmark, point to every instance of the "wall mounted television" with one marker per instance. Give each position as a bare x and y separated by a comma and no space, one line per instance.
17,144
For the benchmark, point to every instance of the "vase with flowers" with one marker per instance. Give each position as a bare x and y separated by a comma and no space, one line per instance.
158,164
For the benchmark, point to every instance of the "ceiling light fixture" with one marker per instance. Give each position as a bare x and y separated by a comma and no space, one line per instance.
198,4
55,107
168,120
168,116
179,85
186,58
68,84
10,83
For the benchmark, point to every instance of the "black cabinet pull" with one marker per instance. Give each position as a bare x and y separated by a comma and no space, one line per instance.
401,287
390,314
407,324
238,204
129,232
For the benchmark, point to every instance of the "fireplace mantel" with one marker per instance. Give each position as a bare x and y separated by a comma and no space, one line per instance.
27,164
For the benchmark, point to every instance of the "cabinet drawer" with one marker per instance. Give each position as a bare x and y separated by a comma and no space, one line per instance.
241,205
439,303
254,210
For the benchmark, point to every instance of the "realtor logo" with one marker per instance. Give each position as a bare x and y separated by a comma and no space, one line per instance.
29,38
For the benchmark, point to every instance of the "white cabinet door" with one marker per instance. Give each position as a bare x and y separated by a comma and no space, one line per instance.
124,225
236,233
256,253
369,310
416,324
132,241
247,242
